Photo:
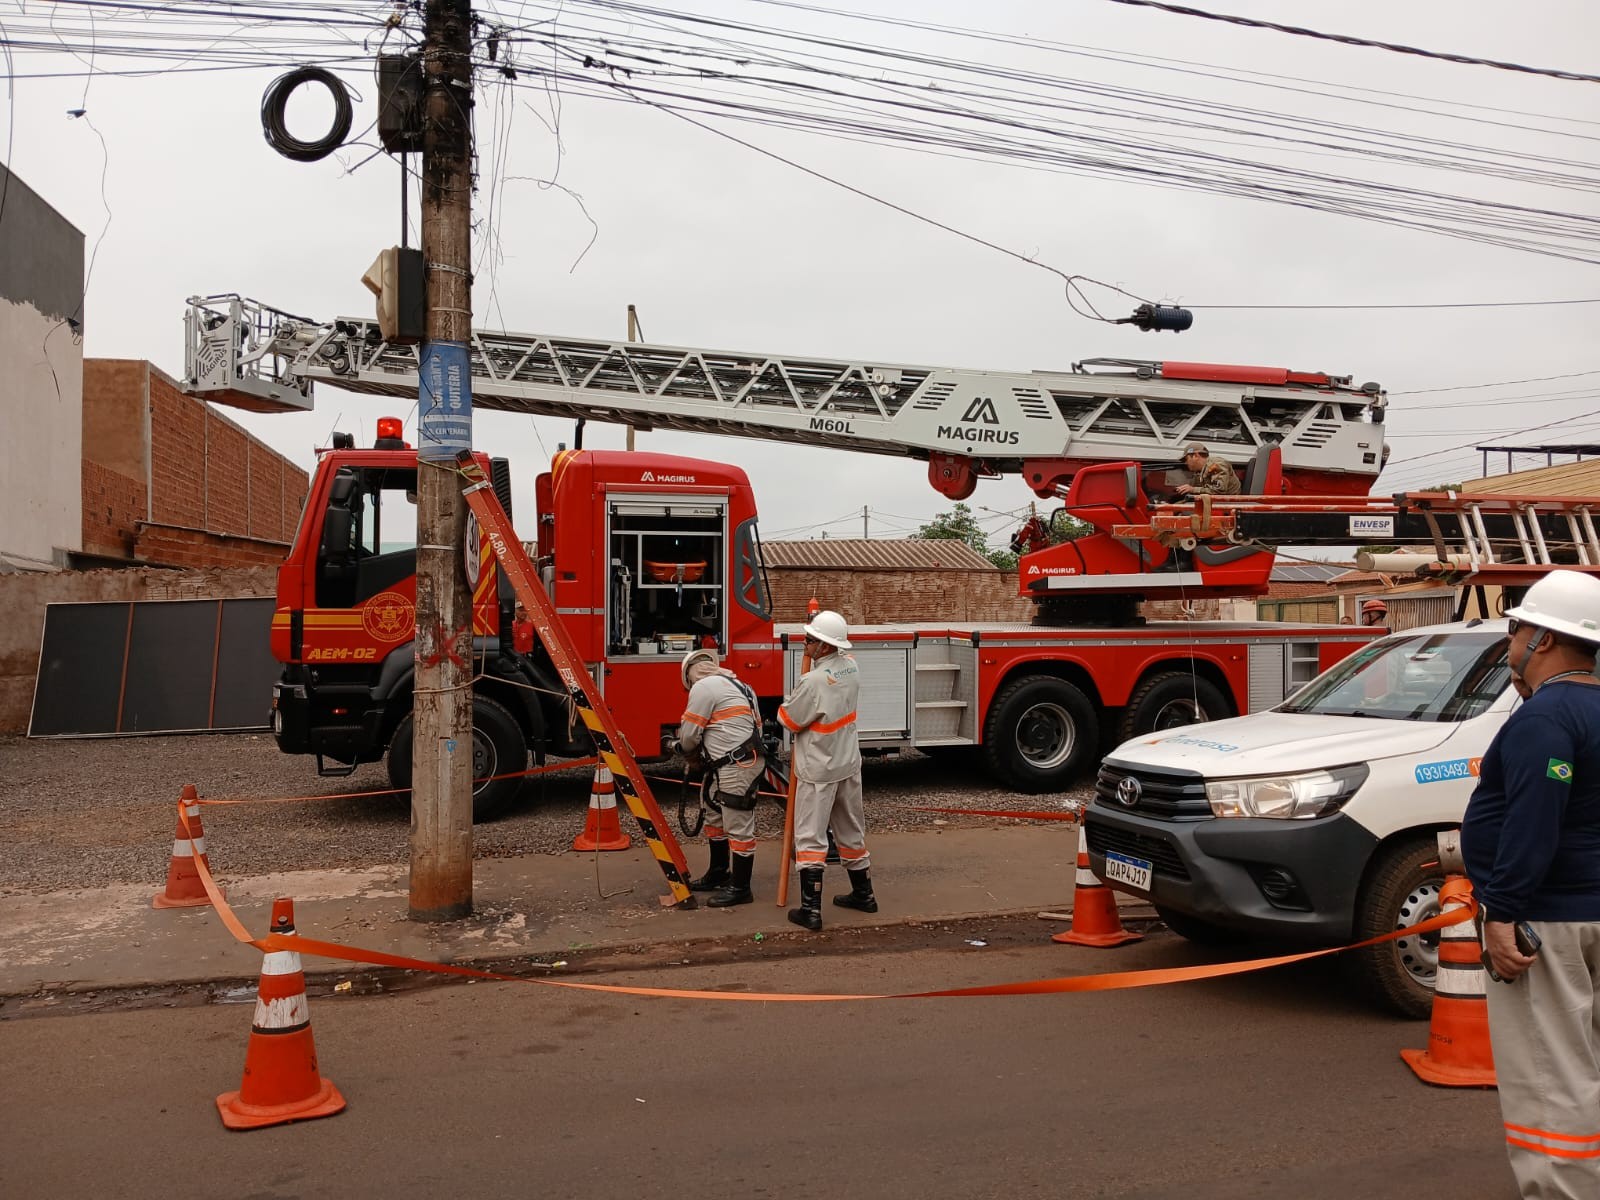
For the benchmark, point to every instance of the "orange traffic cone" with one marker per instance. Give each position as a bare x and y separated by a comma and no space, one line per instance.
281,1079
1458,1053
1094,908
601,829
184,889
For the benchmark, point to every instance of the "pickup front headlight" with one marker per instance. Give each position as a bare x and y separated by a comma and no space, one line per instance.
1286,797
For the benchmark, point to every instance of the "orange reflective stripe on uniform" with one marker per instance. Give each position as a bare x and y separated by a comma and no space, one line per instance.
834,726
742,845
788,721
811,856
728,713
1582,1145
690,718
850,854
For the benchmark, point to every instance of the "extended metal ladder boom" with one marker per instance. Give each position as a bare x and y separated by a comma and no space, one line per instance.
966,424
1476,537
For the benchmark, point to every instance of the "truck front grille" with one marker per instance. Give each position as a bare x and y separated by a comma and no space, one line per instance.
1166,795
1162,855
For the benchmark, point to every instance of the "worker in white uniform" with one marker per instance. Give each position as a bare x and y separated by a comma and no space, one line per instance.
821,713
722,725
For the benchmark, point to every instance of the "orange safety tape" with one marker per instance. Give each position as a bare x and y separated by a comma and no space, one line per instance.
1111,981
544,770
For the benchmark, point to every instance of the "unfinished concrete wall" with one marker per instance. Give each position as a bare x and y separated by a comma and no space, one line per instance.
23,597
41,381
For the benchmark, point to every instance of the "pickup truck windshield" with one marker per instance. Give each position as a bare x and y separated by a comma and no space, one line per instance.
1452,676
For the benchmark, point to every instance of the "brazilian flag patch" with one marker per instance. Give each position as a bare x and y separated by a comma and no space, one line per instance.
1556,769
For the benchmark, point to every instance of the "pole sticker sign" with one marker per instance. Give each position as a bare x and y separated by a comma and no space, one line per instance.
444,400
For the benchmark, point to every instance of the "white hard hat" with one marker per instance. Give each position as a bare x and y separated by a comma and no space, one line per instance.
1566,602
828,626
703,654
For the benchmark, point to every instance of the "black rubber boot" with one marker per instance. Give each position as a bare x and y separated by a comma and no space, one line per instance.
809,914
738,890
860,896
716,875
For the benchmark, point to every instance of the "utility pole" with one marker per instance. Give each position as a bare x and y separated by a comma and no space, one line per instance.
442,759
865,532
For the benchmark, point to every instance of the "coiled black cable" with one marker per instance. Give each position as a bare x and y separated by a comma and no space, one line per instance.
276,101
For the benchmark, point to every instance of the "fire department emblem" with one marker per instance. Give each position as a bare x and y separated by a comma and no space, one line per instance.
388,617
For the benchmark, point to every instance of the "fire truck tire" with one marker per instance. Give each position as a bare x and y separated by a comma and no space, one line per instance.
1402,888
1042,733
498,748
1171,699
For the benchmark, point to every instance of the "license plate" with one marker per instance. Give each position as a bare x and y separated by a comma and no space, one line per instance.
1135,872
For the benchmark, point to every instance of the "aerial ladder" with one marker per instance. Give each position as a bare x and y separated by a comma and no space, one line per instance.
1509,540
1102,437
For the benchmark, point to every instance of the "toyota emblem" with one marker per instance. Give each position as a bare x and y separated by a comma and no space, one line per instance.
1128,791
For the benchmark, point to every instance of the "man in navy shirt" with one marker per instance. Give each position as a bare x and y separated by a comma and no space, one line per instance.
1531,841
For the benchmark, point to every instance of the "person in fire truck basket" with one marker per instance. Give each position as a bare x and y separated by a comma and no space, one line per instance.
722,726
1374,612
821,713
1204,475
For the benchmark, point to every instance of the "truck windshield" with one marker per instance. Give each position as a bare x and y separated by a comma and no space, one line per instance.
1451,676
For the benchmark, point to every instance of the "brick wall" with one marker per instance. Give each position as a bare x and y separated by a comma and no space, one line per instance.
175,546
216,495
877,597
111,504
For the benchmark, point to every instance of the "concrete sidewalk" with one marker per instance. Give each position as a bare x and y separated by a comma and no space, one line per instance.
539,906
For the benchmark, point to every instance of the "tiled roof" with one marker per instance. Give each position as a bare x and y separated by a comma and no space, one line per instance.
876,554
1579,479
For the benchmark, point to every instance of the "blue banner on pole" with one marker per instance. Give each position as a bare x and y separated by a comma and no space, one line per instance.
444,400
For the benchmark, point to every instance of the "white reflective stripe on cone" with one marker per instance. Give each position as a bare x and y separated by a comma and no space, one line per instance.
180,847
604,802
1086,878
191,810
603,775
288,1012
1464,983
281,962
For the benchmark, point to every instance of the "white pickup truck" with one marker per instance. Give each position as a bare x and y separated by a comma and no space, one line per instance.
1314,822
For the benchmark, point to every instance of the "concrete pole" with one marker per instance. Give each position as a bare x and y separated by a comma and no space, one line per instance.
633,336
441,775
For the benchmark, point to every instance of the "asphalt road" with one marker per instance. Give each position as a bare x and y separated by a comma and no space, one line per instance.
1274,1085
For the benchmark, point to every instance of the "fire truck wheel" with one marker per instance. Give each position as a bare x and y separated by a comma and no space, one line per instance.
1041,733
1171,699
1401,889
498,748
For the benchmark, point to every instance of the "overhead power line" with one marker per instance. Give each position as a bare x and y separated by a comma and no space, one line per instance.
1347,40
1383,307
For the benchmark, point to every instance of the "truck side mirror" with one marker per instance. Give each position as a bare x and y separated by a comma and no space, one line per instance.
336,532
336,522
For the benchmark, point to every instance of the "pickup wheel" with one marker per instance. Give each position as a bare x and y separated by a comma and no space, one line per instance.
1402,889
1041,733
498,748
1171,699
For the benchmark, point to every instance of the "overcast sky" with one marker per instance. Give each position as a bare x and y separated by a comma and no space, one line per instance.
178,194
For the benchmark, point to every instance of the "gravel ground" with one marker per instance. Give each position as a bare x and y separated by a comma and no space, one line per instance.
90,812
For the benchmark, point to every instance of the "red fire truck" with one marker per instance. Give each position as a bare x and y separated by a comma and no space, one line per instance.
647,555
